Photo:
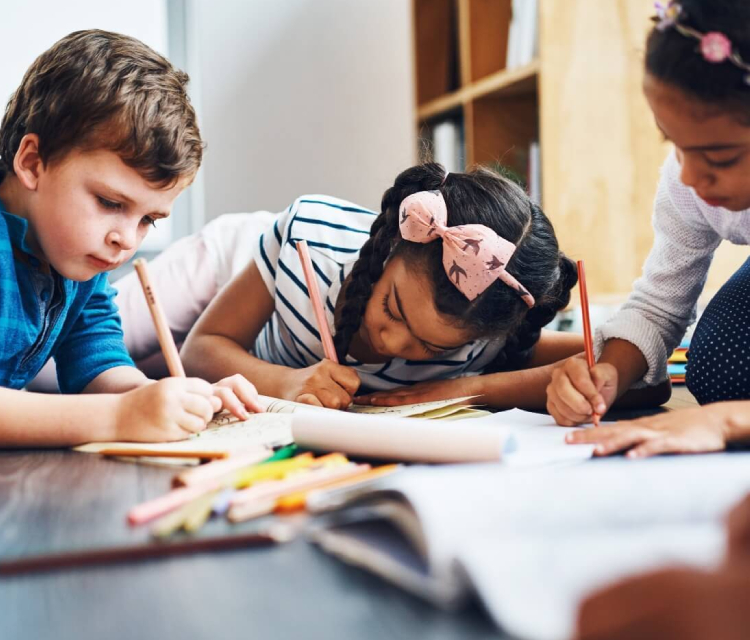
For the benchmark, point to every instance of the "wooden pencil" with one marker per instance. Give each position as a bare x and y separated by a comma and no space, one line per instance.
588,342
88,557
168,346
320,316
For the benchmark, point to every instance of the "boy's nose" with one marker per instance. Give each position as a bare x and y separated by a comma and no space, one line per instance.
123,239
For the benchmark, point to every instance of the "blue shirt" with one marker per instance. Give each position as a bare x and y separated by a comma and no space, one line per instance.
43,316
335,231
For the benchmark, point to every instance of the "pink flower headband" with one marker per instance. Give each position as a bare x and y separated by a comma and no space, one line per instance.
474,256
714,46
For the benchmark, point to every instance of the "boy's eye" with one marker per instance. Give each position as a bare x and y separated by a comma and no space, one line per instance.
148,220
109,204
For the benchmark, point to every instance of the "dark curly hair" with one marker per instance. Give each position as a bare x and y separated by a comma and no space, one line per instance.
674,58
479,196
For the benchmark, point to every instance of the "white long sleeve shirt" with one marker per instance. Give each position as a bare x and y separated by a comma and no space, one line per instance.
687,232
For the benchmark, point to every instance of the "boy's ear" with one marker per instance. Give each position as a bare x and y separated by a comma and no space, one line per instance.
27,165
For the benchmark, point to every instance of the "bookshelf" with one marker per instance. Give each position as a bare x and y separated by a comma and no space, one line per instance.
579,97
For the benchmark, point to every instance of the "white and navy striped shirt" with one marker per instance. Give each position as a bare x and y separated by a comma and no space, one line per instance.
335,231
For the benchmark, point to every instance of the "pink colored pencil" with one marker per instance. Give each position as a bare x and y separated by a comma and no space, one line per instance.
221,468
164,504
312,287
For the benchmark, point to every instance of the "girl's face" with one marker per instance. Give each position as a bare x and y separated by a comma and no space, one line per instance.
401,320
712,147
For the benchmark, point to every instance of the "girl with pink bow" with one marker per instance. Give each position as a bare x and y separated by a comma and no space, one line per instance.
455,277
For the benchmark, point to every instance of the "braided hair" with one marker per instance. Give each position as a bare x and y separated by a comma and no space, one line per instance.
483,197
675,59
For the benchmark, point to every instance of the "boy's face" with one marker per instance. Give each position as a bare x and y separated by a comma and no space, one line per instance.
89,212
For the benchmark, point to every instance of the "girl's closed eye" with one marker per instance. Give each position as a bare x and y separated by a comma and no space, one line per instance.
148,220
724,163
387,309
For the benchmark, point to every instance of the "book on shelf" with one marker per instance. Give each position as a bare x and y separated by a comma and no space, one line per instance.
531,544
523,36
534,183
448,145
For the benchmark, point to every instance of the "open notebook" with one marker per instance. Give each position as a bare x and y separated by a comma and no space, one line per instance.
378,433
531,543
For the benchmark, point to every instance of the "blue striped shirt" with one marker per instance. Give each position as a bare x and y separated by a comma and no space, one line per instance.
335,231
44,315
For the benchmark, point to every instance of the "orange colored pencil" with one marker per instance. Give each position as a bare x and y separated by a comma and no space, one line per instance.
168,346
588,342
317,303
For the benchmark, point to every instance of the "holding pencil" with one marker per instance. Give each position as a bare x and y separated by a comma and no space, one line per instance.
233,393
588,342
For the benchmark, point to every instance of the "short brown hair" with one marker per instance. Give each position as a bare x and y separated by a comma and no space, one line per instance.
101,90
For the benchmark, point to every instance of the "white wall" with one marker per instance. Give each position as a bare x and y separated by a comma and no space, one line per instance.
302,96
29,28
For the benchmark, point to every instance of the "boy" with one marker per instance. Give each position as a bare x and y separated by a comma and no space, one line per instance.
95,145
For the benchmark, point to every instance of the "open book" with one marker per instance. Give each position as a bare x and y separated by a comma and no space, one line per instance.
531,543
376,432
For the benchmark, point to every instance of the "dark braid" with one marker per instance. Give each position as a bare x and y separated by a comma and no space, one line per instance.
384,235
477,197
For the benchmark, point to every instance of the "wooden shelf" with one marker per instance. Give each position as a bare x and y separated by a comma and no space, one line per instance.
513,82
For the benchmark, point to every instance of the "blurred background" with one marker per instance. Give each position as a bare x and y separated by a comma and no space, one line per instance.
338,96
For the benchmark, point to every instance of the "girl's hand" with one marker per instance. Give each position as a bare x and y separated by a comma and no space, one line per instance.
170,409
423,392
325,384
577,392
697,430
237,395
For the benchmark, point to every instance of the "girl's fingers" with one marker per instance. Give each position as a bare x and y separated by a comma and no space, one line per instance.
573,397
309,398
656,446
346,378
560,417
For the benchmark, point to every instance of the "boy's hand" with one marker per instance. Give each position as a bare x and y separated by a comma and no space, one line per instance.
424,392
325,384
170,409
577,392
698,430
236,394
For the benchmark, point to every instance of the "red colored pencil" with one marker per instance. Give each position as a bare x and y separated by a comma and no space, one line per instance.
588,342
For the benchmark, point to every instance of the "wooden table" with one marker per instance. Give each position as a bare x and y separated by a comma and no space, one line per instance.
58,500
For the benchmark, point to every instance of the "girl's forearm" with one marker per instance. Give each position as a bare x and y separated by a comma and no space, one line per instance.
525,389
627,359
214,357
52,420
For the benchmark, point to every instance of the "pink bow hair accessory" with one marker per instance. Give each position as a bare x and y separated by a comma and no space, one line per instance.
474,256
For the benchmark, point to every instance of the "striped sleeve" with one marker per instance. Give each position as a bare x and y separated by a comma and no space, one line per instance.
270,244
